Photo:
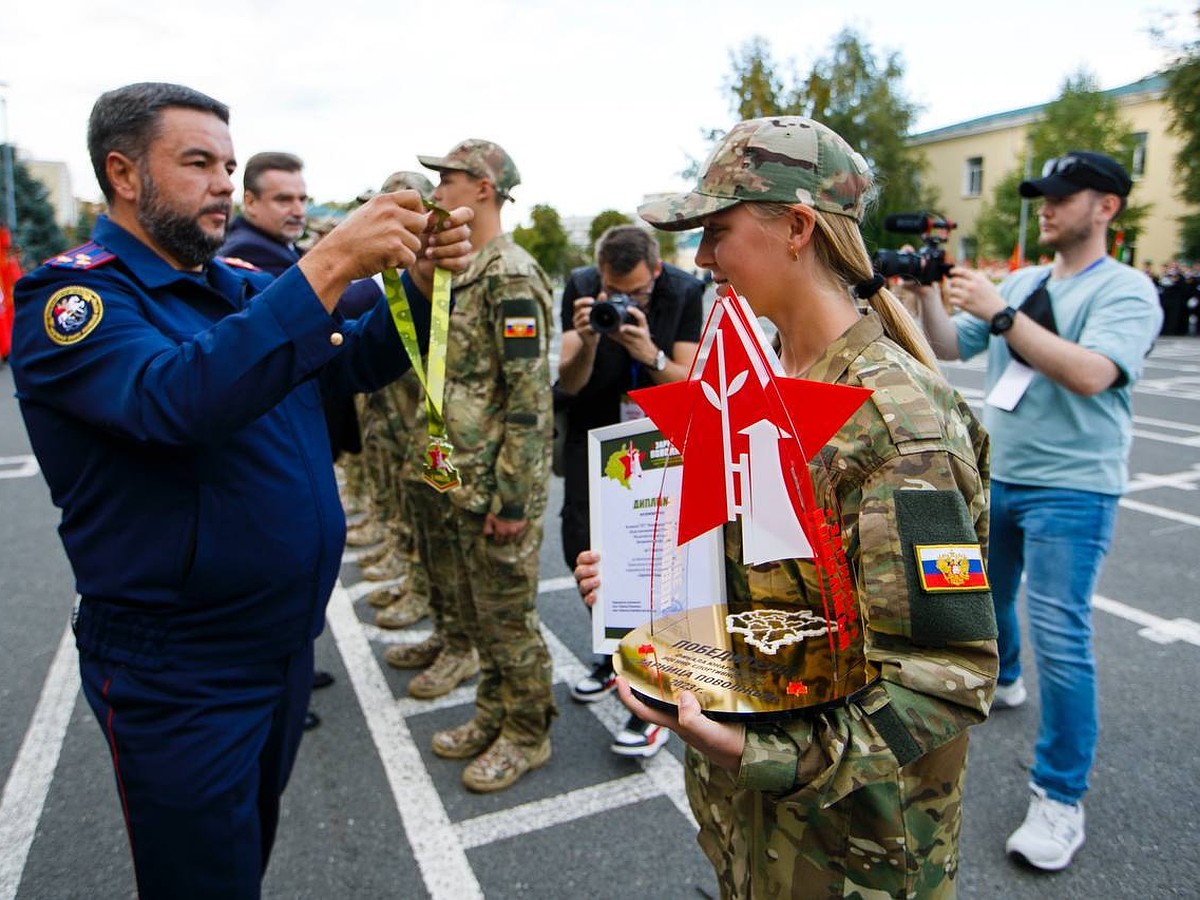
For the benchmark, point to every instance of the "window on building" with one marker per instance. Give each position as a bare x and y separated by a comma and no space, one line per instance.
1138,169
973,177
968,249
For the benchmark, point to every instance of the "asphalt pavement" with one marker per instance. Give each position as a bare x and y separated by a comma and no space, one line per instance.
372,813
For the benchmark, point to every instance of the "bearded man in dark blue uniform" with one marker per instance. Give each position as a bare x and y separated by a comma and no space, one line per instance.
173,403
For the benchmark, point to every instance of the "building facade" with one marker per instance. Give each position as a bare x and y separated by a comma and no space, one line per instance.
967,159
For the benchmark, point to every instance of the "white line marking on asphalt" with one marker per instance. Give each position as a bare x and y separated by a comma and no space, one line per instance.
33,770
410,635
444,867
542,814
1180,481
1161,511
663,769
1154,628
18,467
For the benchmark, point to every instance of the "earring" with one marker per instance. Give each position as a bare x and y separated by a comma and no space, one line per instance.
795,252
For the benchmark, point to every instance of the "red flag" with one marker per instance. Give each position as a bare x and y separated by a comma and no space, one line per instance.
1118,244
10,271
1014,261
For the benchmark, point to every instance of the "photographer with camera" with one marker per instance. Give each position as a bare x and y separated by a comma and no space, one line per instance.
1065,344
629,321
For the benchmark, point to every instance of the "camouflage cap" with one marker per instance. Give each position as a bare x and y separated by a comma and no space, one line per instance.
321,224
402,181
483,159
785,159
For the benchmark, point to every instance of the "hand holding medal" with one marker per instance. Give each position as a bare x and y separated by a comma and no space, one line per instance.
446,237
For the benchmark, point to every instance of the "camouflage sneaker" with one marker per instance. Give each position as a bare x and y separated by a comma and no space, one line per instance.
445,674
365,534
407,609
415,656
373,555
392,566
462,742
502,764
385,596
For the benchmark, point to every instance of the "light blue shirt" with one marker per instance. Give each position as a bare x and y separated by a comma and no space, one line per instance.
1055,438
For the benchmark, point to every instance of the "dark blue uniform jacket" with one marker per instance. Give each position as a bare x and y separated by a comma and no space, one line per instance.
183,439
249,242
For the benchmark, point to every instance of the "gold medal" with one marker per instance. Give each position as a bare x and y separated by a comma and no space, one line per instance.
439,472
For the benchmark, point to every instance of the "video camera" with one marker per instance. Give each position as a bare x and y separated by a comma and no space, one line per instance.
609,315
926,266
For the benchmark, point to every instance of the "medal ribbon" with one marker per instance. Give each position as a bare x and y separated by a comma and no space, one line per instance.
435,382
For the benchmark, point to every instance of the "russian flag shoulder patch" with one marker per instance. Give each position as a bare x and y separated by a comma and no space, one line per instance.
520,327
951,567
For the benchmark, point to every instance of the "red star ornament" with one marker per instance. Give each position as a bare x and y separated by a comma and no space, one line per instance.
735,386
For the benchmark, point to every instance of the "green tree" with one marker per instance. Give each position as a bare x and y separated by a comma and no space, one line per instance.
84,224
37,234
1183,101
1080,118
757,88
666,245
604,221
546,240
857,95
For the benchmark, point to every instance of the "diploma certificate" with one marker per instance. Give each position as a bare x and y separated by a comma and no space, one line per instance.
634,482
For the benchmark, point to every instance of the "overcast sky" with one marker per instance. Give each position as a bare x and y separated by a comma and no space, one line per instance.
598,102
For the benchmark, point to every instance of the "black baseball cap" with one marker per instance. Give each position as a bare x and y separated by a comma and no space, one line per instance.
1077,170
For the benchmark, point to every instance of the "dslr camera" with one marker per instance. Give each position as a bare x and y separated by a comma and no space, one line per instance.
609,315
927,265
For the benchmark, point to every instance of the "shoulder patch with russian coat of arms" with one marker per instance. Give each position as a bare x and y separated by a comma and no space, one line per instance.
951,567
72,313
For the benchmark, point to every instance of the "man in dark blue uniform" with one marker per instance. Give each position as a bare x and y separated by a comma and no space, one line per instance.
274,207
173,405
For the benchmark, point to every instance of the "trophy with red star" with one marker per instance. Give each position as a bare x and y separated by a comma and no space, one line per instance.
787,636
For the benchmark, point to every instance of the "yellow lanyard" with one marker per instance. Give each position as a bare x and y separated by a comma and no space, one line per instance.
435,382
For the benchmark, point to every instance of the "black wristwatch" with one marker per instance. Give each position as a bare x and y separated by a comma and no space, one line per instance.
1002,321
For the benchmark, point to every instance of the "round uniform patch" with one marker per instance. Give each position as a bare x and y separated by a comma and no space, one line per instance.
72,313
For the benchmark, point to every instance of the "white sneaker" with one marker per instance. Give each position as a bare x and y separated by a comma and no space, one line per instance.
1050,834
1010,696
639,738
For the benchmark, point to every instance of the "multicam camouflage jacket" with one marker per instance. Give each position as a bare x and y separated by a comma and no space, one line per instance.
864,799
498,400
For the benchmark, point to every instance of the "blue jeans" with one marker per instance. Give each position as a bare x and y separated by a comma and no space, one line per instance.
1058,538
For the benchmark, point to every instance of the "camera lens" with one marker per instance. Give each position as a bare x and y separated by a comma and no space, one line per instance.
604,317
609,315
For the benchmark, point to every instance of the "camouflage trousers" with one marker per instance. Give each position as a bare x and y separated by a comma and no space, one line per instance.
895,837
484,594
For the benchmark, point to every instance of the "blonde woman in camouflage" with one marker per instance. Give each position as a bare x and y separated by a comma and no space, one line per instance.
862,798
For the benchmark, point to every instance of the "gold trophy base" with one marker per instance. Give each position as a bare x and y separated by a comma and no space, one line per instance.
752,664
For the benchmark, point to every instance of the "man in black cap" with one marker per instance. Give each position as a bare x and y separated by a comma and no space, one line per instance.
1065,344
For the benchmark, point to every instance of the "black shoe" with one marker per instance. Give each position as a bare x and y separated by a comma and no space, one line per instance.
311,720
321,679
596,686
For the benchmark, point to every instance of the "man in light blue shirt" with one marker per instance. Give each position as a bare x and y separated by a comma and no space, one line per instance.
1065,344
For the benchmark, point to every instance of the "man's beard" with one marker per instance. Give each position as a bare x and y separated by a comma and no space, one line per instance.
181,236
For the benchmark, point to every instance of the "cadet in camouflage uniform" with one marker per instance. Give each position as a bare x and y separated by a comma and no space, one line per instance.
480,541
863,799
389,428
